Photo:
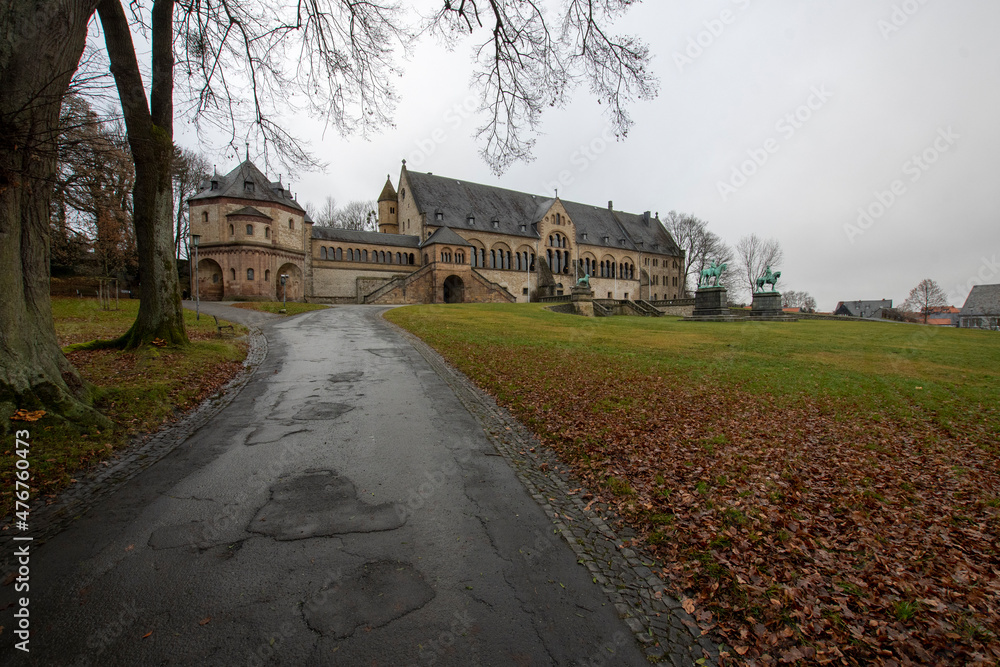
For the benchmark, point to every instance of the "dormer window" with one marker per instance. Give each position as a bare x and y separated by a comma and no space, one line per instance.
584,236
215,185
523,227
495,222
248,186
439,215
607,239
471,220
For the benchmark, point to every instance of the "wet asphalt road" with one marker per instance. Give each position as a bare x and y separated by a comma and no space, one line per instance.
345,509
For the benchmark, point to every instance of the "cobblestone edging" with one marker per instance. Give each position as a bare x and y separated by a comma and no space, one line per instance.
143,451
666,632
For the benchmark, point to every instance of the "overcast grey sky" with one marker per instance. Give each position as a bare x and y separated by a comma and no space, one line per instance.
862,134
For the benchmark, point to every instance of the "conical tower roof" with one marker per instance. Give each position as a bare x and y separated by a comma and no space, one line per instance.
388,192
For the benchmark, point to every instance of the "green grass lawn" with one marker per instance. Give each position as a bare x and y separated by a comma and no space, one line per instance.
291,308
137,390
814,486
949,376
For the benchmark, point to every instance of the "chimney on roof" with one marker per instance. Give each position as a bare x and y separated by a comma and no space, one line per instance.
611,205
645,218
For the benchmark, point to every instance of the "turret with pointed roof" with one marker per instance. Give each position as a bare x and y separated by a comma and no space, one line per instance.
388,217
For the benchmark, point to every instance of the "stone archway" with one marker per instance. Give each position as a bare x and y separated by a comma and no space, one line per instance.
210,283
454,290
293,285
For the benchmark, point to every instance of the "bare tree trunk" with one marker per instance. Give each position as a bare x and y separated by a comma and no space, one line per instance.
40,48
150,136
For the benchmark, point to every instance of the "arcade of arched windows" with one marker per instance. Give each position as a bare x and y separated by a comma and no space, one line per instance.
340,254
450,256
558,219
501,257
610,268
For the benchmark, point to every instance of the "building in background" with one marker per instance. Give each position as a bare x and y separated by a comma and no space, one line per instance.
982,308
874,310
440,240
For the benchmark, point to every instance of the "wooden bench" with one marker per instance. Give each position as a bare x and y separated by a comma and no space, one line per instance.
220,327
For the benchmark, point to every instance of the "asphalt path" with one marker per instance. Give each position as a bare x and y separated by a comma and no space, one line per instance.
344,509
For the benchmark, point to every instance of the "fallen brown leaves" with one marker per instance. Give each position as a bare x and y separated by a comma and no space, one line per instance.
797,532
23,415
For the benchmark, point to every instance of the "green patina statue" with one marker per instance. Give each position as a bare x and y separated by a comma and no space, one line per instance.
711,272
584,282
768,279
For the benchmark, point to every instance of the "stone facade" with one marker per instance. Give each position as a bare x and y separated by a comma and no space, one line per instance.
482,244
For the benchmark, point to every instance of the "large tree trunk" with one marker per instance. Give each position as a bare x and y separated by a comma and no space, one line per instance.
150,136
40,47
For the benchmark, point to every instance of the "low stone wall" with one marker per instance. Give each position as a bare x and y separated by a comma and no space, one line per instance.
331,299
679,311
564,308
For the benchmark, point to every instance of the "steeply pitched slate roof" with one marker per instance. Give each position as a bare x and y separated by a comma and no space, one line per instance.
249,210
863,308
445,236
233,185
458,199
373,238
388,192
982,300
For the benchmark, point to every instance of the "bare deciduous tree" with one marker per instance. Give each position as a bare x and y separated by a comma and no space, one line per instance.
237,60
701,247
41,44
794,299
754,254
190,169
325,215
925,296
94,186
358,214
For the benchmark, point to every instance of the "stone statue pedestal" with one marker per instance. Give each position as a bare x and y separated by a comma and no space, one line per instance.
766,306
582,298
711,304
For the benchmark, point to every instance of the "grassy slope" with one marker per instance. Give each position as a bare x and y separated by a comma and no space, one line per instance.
137,390
792,478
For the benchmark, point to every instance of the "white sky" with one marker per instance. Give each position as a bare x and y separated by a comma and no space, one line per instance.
880,96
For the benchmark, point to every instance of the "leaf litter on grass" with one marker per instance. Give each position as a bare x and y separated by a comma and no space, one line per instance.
800,530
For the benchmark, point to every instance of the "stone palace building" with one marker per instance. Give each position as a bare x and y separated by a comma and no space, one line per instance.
439,240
